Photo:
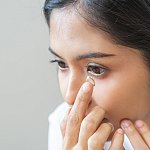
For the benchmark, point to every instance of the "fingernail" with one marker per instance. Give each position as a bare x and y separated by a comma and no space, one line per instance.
86,87
91,80
120,131
112,127
139,124
125,123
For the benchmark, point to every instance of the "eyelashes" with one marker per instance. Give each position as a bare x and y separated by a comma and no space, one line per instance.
62,65
92,68
96,69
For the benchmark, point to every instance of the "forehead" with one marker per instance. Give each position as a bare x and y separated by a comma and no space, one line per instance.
68,24
70,33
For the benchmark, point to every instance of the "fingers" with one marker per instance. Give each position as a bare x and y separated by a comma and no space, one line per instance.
133,135
63,126
77,114
90,124
64,123
117,140
144,130
98,139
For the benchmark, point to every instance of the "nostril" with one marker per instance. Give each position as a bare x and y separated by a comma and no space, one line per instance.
69,103
69,98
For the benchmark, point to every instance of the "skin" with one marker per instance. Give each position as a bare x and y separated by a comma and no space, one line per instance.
121,90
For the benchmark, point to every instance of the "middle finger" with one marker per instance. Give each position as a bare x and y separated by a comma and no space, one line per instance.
133,135
90,124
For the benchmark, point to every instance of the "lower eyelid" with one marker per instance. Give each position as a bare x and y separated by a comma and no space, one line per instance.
99,75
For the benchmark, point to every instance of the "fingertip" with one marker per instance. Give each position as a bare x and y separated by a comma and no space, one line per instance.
112,127
117,140
139,123
120,131
90,80
86,87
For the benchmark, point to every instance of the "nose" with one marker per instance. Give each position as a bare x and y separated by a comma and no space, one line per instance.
74,83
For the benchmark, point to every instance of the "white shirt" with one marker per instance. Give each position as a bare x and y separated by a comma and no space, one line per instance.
54,136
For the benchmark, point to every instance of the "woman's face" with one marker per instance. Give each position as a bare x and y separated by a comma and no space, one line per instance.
121,77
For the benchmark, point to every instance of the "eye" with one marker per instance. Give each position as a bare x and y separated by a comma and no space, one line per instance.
96,70
62,65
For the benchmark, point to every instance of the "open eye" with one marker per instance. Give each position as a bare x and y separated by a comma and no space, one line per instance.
62,65
96,69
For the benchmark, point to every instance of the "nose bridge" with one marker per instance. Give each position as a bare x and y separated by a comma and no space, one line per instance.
74,83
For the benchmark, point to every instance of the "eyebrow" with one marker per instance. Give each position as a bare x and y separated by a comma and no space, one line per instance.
84,56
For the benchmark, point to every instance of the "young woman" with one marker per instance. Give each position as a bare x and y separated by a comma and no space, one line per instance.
107,41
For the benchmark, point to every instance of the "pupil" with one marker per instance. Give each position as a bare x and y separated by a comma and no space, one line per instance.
61,64
94,69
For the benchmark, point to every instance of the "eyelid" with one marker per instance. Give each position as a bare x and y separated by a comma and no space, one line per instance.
53,60
96,64
56,60
101,75
59,61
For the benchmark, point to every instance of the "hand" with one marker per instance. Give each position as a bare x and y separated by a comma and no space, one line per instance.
138,134
88,132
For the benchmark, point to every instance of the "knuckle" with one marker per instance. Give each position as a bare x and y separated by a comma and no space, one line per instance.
145,130
88,124
63,124
73,119
81,97
100,110
106,126
93,143
78,147
132,131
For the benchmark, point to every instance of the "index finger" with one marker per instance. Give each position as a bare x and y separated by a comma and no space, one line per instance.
77,112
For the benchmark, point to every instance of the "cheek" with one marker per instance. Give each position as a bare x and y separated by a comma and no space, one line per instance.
108,95
62,83
116,96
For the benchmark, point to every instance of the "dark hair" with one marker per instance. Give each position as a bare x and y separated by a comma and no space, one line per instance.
126,21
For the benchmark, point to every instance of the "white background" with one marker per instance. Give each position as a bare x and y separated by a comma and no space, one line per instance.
28,84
